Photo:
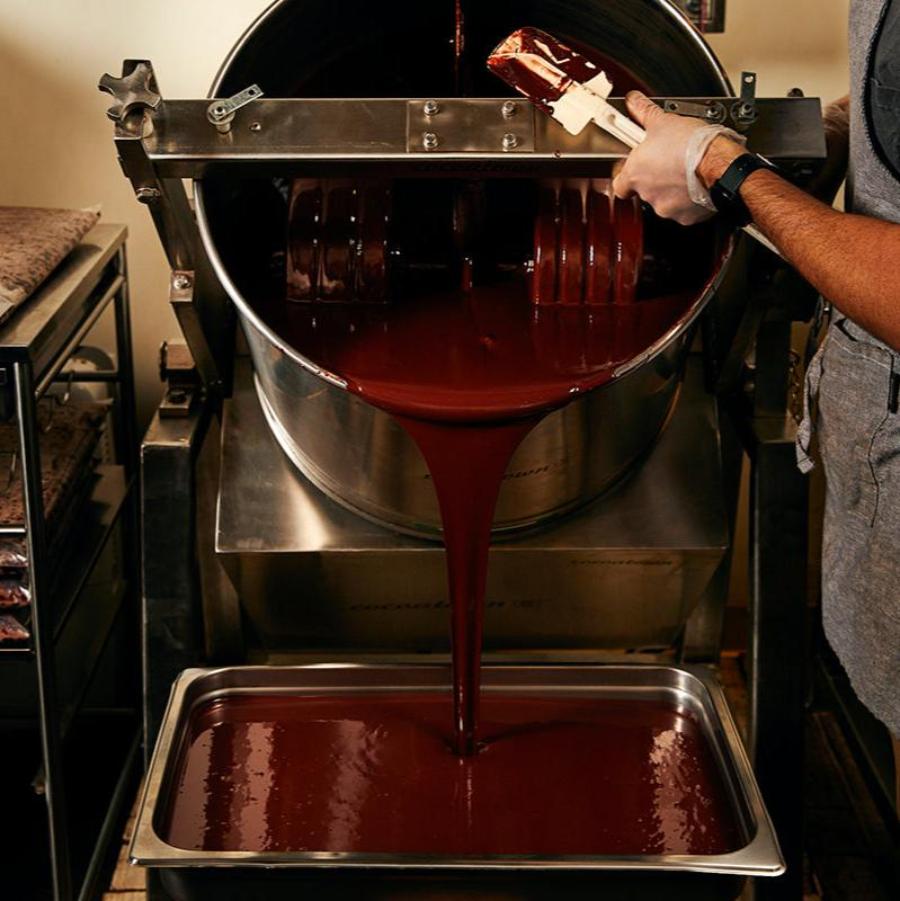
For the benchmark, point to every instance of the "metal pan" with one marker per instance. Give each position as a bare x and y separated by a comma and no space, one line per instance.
190,875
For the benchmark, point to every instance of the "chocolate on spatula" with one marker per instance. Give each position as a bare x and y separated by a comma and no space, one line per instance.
562,82
571,88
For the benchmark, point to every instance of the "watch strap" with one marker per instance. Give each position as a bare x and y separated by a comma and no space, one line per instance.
726,192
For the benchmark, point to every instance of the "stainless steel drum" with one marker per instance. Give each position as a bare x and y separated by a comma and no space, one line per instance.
354,452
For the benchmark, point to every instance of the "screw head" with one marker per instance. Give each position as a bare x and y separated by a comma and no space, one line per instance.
147,195
430,140
431,108
181,282
509,109
510,141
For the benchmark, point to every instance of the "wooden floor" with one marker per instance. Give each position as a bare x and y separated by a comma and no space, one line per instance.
128,883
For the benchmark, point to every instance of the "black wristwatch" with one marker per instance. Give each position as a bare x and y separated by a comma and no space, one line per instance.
726,192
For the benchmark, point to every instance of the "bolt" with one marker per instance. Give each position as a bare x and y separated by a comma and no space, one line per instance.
147,195
256,126
429,140
181,282
431,108
510,141
509,109
219,111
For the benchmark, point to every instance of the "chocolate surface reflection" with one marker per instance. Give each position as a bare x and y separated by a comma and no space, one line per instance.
485,355
377,773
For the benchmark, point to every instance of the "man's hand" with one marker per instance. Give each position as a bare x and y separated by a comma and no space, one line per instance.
663,169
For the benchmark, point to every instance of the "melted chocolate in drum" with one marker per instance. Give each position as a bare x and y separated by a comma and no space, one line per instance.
374,773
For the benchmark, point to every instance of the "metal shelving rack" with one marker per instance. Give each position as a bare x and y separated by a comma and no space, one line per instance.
35,347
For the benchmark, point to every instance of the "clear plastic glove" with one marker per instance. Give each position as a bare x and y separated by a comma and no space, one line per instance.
662,170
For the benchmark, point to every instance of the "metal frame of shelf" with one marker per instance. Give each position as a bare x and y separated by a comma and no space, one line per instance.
35,347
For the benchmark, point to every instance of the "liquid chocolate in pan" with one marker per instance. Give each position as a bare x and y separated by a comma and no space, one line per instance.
374,773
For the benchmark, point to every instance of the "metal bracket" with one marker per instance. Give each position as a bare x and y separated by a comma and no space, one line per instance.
713,111
221,112
743,111
181,297
137,97
177,369
469,126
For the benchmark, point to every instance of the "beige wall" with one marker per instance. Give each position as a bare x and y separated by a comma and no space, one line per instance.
56,145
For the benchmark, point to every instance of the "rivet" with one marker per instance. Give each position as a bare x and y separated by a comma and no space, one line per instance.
430,140
510,141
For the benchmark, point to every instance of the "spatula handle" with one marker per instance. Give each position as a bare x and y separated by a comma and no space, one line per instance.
631,134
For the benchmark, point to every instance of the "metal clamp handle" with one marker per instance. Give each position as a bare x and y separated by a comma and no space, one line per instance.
221,112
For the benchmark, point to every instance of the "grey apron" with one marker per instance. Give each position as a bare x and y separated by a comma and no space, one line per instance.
855,380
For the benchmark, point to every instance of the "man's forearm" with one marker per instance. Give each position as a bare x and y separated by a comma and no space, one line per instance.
854,261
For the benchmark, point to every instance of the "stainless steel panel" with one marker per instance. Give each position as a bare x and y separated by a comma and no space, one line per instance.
694,690
376,135
625,572
467,125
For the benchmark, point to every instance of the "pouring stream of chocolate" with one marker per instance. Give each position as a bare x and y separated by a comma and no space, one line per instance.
469,373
